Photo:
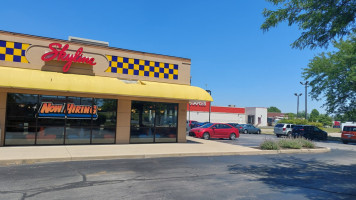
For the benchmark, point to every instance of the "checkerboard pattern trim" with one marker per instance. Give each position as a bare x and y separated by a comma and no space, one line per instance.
137,67
13,51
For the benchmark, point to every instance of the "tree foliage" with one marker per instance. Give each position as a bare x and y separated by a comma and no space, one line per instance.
314,115
320,20
325,120
333,76
273,109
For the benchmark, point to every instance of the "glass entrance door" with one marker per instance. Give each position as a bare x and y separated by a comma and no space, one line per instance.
153,122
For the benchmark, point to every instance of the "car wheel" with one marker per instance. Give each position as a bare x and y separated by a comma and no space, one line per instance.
289,134
206,136
278,135
232,136
245,131
345,142
258,132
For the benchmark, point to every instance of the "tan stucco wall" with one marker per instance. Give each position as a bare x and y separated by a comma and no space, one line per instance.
39,45
123,121
3,97
182,122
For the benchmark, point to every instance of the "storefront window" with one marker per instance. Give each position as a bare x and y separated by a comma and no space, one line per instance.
50,119
44,119
104,121
153,122
78,123
21,119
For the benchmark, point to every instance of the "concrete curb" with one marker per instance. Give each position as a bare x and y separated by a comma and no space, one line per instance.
6,162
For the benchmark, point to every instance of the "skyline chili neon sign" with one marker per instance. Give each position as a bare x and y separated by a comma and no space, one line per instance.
61,55
71,111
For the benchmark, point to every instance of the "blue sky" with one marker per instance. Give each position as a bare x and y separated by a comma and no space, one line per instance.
230,55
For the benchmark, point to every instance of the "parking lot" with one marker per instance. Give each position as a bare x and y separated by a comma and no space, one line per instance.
254,140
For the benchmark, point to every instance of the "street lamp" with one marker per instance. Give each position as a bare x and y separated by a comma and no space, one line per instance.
298,95
306,95
209,91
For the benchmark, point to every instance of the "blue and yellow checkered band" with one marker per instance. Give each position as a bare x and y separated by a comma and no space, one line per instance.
13,51
131,66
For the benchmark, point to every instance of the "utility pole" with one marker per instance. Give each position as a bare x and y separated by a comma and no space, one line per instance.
298,95
306,96
209,91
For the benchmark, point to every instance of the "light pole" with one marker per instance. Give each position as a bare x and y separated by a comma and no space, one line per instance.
306,95
298,95
209,91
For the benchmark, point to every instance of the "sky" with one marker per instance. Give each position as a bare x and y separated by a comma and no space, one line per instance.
230,54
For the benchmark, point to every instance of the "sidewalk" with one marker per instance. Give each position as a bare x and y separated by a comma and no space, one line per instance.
197,147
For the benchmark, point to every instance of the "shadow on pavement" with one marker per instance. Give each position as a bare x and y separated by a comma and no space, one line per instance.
313,179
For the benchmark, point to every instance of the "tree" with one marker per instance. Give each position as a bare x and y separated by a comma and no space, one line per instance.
273,109
291,115
333,76
321,21
325,120
314,115
302,114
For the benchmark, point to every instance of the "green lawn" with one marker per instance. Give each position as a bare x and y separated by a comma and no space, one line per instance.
332,130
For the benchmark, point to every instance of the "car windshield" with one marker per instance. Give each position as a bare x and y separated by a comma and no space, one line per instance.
279,125
206,125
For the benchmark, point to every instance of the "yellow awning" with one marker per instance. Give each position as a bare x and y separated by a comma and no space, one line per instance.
53,81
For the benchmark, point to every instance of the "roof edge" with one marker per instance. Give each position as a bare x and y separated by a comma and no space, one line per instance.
92,45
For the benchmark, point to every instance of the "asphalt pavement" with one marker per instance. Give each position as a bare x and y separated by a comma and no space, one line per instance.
322,176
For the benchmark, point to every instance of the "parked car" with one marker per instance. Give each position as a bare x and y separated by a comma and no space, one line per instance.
191,123
348,134
238,126
309,132
248,128
199,124
215,130
283,129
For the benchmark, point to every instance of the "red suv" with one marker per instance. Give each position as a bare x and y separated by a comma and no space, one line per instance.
348,134
215,130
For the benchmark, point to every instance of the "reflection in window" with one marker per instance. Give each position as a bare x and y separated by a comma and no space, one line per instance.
44,119
104,123
153,122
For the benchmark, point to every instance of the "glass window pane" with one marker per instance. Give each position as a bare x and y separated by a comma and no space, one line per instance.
106,112
142,122
51,111
50,135
153,122
77,135
79,111
103,135
20,135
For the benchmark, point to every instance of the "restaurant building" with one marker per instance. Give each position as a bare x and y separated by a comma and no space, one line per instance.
79,91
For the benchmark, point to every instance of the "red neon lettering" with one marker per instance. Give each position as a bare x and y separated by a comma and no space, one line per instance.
77,109
87,109
46,107
61,55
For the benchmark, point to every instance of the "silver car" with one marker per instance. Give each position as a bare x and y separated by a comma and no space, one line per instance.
283,130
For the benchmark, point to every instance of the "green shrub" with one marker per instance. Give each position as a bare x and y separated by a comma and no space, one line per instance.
306,143
290,144
300,122
269,145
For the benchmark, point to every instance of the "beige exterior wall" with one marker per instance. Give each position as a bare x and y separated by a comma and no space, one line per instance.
3,97
182,122
123,122
39,46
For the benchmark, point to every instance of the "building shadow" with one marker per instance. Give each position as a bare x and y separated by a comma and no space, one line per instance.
313,179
